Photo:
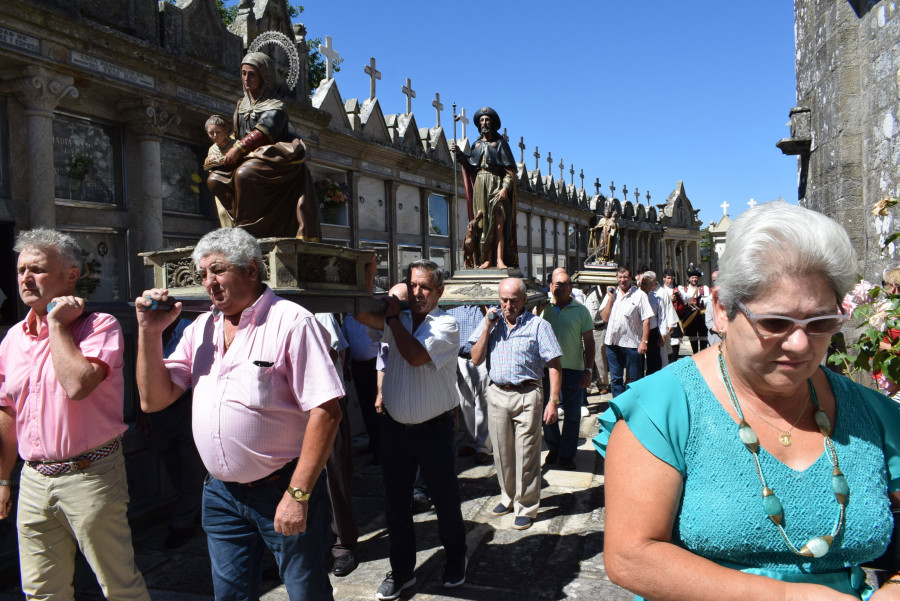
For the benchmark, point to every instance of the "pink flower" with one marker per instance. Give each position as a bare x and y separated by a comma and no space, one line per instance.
858,296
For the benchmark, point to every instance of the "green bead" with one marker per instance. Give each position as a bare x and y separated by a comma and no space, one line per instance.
748,436
772,505
840,486
823,422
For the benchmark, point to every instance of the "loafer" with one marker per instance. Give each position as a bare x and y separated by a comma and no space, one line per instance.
552,457
567,463
501,509
344,564
392,587
522,522
481,457
420,503
453,576
466,451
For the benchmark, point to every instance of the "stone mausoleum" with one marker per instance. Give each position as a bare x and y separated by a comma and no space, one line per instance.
102,106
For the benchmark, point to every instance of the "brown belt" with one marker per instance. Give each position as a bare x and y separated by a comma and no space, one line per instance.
509,387
273,477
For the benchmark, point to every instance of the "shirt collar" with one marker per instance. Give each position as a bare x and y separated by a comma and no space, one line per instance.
257,312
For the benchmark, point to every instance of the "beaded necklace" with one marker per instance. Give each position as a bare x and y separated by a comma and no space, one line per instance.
818,545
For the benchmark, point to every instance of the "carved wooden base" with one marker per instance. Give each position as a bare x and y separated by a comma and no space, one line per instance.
481,287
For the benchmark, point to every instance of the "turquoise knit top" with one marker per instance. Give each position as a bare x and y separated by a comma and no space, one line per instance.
677,418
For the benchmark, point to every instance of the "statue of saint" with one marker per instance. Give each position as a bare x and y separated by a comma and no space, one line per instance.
607,247
595,236
489,176
263,182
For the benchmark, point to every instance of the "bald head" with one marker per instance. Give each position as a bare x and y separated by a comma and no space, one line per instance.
400,290
512,294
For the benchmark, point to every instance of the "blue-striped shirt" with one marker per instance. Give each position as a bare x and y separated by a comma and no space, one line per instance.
519,354
469,317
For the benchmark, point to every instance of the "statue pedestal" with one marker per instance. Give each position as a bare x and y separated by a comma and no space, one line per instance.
596,274
481,287
321,277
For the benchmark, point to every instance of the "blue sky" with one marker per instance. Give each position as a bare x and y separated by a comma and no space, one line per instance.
640,93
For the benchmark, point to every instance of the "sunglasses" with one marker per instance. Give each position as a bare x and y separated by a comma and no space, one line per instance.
771,326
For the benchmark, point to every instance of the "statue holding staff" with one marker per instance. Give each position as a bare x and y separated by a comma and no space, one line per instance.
489,177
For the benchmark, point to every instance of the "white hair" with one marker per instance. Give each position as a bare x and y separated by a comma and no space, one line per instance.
44,239
780,240
238,246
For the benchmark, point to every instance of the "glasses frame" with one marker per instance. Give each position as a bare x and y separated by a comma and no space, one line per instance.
798,323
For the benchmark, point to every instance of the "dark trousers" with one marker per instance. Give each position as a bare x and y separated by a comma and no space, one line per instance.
565,442
366,382
339,472
429,446
653,356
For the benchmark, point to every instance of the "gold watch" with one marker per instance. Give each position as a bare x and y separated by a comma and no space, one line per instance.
298,494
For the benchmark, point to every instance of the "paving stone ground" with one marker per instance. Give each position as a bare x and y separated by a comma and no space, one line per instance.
559,557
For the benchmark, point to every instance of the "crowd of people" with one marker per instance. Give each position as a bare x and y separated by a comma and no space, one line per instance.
266,386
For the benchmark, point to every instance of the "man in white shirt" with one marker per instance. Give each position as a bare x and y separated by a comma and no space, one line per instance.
627,312
668,320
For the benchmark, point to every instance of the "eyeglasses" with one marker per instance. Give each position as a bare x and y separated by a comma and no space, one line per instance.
772,326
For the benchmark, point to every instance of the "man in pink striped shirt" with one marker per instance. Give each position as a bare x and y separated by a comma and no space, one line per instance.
61,390
265,413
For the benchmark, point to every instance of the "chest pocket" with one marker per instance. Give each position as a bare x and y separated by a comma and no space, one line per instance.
253,384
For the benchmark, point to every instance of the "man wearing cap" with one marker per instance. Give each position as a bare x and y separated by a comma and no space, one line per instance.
489,177
690,303
61,400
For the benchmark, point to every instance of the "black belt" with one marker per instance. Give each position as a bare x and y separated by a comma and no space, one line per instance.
431,422
465,355
273,477
509,387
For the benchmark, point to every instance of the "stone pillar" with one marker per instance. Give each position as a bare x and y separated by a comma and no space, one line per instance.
149,120
39,90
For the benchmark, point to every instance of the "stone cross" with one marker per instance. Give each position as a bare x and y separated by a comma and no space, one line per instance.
581,175
637,196
331,56
537,156
597,186
438,107
725,206
612,190
373,74
648,199
561,167
463,119
624,193
549,164
752,203
521,149
505,137
571,175
410,94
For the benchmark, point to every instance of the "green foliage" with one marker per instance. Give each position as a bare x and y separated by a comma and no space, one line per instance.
876,317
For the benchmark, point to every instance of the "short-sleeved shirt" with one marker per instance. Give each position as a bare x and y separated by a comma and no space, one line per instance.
362,346
519,354
469,317
625,325
251,404
50,426
675,416
413,395
569,324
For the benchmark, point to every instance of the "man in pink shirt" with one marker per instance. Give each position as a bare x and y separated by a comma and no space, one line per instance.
61,395
265,413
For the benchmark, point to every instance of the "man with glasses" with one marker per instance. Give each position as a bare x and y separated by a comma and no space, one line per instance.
627,312
574,329
520,345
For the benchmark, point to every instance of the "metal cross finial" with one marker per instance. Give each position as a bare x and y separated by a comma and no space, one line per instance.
550,164
597,186
561,167
463,119
537,156
624,193
410,94
725,206
331,56
373,74
521,149
648,199
581,175
571,175
752,203
637,196
438,107
612,190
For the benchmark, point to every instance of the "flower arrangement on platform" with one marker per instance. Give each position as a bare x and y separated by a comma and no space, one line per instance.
332,193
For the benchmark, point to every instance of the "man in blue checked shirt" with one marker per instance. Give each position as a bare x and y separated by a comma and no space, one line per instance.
518,345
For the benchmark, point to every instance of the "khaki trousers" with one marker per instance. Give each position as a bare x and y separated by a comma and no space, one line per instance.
515,427
87,508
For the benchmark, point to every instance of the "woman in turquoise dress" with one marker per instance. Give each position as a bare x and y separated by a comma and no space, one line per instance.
750,472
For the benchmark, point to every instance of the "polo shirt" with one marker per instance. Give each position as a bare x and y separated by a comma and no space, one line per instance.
569,324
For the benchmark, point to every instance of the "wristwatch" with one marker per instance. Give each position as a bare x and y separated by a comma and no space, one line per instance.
645,342
554,401
298,494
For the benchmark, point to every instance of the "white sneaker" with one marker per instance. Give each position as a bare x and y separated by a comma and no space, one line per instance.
585,412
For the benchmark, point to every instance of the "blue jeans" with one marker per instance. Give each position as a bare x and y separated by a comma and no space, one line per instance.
431,447
565,443
239,524
619,359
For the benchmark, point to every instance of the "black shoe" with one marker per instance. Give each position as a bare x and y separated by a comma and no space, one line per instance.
567,463
344,564
501,509
178,537
420,503
522,522
453,576
551,458
392,587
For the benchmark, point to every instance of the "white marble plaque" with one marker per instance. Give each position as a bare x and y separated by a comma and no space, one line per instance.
19,41
521,229
371,204
333,157
195,98
409,217
112,70
379,169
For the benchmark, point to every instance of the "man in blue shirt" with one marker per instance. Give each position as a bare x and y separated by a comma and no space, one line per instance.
518,345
